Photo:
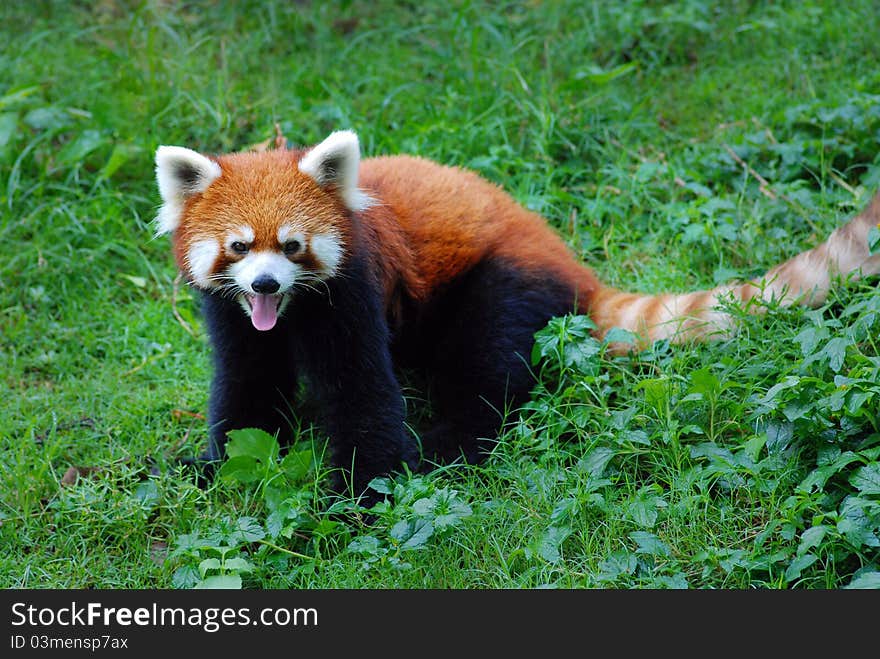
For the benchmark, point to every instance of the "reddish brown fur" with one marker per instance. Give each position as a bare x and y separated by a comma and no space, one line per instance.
451,219
609,304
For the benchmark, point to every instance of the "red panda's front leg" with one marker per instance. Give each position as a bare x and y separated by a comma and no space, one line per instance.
343,348
254,379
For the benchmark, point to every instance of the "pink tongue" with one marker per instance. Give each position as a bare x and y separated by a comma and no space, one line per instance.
264,311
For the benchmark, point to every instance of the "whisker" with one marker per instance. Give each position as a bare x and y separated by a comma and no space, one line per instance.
309,279
220,278
306,285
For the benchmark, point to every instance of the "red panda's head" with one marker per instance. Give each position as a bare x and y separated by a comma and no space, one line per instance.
256,226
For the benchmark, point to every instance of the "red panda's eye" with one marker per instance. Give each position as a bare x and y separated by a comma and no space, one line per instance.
292,247
239,247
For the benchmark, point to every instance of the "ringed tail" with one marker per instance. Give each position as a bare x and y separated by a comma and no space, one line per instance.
804,279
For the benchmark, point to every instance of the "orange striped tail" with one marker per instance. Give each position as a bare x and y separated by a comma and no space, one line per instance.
804,279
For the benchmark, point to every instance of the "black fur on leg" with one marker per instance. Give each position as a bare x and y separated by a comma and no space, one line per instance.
480,336
343,349
254,375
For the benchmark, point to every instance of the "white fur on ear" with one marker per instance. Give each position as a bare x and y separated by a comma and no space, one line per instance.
180,173
334,162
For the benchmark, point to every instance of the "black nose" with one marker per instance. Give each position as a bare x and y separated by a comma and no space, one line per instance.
265,284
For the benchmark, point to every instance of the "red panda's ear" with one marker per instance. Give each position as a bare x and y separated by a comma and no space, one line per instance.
180,173
334,164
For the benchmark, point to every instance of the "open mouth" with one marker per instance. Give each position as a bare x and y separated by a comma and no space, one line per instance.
264,309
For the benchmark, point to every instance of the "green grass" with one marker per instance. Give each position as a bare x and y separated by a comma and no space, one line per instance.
751,463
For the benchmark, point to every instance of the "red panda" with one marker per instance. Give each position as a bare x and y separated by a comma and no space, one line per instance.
316,266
